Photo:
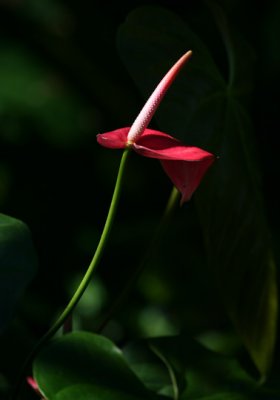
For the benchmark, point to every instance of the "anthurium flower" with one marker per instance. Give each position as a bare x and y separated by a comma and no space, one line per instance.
185,165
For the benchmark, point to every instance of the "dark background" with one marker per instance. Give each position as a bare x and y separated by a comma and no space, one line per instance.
61,83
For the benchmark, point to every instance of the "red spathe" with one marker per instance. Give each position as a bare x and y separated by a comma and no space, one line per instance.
185,165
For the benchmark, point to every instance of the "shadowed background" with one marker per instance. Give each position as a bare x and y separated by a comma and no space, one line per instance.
62,81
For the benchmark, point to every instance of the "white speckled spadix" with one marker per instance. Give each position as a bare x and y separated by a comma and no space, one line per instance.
147,112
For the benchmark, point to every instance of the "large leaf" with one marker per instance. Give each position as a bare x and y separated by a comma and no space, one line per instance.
211,109
18,264
89,392
90,361
224,396
196,371
154,369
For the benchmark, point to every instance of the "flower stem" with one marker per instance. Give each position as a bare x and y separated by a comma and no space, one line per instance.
87,277
168,212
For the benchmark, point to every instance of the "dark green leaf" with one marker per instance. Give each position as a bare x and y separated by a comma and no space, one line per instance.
3,387
18,264
90,392
197,371
209,112
154,369
224,396
82,358
150,40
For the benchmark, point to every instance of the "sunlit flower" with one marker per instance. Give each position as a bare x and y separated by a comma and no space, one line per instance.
185,165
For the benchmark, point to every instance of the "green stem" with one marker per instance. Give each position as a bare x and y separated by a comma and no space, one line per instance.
170,370
87,277
168,212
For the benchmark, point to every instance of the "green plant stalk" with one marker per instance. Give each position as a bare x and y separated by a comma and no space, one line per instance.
171,205
170,370
87,277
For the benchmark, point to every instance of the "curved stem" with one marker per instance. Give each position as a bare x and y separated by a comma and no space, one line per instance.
170,370
87,277
168,212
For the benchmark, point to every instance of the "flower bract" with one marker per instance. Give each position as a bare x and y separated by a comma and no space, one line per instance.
185,165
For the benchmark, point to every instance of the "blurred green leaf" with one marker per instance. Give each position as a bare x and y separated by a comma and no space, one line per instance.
152,370
90,392
197,371
89,360
3,387
50,13
18,264
270,35
224,396
229,201
5,182
31,91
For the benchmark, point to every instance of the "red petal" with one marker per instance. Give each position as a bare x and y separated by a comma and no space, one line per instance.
186,175
185,165
155,144
115,139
